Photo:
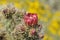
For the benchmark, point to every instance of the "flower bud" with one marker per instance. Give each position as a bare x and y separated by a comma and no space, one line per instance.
31,19
32,31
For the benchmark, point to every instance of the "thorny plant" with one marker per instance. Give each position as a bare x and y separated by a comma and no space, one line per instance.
17,26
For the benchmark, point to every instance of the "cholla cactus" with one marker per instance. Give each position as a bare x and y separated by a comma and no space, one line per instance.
20,25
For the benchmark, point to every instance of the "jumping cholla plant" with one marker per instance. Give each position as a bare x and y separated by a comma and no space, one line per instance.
20,25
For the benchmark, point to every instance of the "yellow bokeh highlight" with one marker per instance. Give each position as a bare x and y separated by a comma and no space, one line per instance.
57,14
3,2
50,38
55,24
59,32
45,37
33,6
52,30
17,5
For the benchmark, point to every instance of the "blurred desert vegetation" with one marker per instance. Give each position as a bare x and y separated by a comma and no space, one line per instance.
48,12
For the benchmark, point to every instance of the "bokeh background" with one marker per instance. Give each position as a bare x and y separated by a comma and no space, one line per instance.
48,13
